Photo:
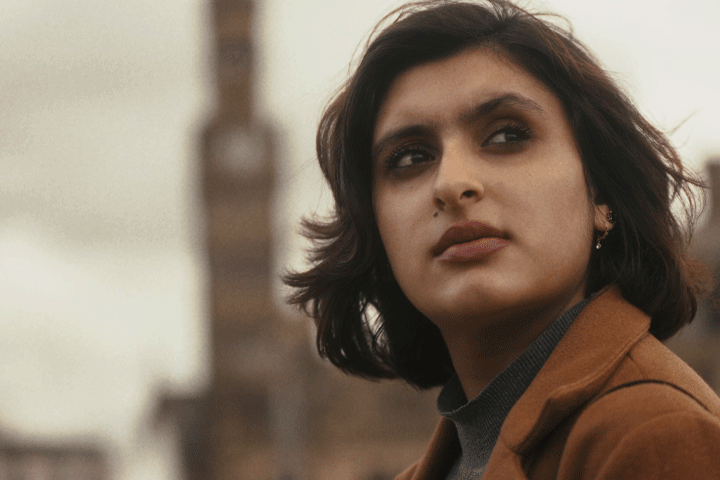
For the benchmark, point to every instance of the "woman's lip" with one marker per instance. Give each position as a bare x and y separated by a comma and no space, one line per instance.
465,233
473,250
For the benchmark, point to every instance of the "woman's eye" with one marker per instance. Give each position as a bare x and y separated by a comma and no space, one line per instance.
510,134
409,157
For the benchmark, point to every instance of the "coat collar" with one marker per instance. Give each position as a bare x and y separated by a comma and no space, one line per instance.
606,329
586,357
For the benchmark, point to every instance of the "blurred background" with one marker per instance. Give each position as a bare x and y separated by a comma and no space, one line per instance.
155,158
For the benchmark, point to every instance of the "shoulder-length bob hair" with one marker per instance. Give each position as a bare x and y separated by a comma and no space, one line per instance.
365,324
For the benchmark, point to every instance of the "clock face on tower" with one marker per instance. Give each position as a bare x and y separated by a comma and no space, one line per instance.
238,151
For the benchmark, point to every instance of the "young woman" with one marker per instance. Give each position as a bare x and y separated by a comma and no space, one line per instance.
503,227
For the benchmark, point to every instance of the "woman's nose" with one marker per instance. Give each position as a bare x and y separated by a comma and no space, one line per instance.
457,183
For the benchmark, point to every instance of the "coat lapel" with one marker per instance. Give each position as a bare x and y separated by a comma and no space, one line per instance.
439,456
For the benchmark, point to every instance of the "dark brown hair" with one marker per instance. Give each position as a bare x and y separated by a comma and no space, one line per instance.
365,324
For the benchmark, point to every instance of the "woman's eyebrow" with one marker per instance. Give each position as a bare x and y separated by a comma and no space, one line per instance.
485,108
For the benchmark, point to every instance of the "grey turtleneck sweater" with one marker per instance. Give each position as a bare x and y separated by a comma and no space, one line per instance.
478,422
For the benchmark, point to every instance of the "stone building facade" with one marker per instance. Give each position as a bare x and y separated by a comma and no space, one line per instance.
44,460
699,343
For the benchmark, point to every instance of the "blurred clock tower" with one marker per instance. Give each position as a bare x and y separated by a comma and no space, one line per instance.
238,172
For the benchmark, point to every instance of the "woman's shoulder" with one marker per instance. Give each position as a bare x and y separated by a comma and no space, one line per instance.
655,419
654,363
646,429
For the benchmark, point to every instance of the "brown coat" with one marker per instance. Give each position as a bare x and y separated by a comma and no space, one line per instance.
611,402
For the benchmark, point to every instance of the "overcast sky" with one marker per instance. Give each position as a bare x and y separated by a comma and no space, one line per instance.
101,276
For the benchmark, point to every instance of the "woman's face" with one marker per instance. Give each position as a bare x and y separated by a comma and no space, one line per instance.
479,192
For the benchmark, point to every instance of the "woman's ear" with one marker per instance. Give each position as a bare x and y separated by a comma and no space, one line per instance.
603,218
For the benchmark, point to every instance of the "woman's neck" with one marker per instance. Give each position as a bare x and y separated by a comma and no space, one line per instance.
481,350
